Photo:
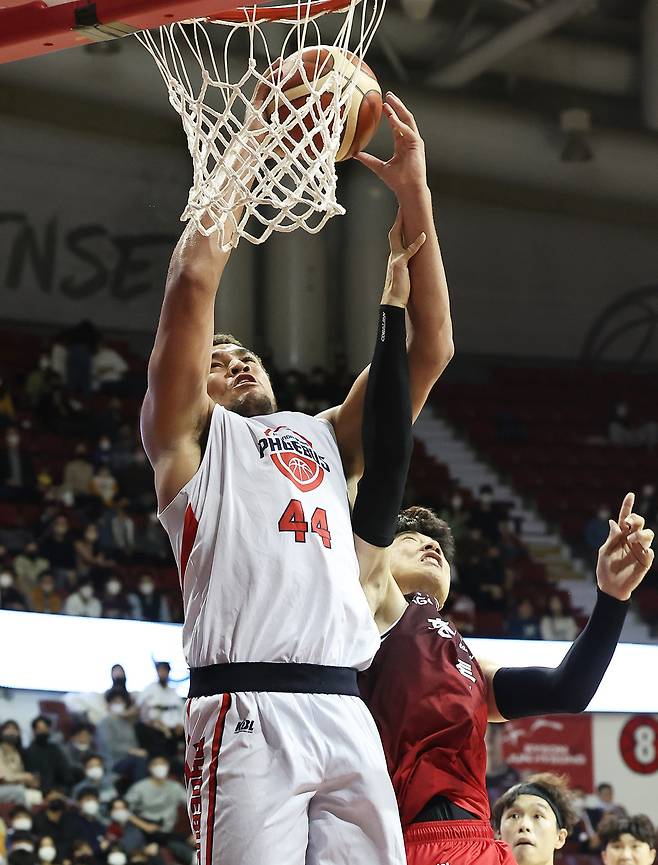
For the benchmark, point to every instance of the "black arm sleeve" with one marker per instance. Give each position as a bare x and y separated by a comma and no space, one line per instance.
386,431
524,691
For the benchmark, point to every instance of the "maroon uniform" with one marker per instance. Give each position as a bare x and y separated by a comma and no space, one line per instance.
428,697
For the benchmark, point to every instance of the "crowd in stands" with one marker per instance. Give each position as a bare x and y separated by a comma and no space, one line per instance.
104,791
99,782
79,533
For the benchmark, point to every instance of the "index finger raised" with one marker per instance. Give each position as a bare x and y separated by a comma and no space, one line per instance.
626,507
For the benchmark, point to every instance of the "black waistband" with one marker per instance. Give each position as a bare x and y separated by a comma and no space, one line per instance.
285,678
440,808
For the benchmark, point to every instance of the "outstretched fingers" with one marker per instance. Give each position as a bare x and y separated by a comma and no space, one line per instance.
372,162
399,128
401,110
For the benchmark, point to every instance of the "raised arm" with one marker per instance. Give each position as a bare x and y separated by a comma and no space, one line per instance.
430,345
624,559
386,435
177,408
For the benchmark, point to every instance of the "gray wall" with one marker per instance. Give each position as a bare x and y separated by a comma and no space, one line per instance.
87,224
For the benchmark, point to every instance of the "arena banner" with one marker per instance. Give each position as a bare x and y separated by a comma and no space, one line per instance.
556,743
67,653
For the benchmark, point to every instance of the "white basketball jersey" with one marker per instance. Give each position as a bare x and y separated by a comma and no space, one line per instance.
263,541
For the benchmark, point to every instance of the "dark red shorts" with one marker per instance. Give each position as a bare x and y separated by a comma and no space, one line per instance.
455,842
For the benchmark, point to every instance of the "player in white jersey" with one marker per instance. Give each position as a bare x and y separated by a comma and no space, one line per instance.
284,764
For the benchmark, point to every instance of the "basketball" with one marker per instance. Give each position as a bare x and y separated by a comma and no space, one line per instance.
359,117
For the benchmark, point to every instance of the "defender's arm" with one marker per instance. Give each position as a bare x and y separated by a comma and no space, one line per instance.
387,439
517,692
430,344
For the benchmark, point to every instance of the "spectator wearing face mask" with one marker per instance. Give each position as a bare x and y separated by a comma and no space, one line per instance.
155,801
44,758
21,847
83,602
95,778
149,604
14,780
115,855
117,738
45,598
55,821
122,828
47,851
10,597
20,826
114,601
104,485
87,823
78,748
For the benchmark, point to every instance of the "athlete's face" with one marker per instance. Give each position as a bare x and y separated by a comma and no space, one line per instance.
628,850
418,565
530,828
237,381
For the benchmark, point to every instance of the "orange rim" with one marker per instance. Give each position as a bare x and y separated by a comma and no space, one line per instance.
288,12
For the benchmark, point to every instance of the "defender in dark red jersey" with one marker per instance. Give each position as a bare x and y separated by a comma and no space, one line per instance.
431,698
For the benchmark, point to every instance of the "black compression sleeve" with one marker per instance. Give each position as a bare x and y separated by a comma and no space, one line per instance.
569,688
386,433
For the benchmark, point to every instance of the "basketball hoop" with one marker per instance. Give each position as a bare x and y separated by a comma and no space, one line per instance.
262,161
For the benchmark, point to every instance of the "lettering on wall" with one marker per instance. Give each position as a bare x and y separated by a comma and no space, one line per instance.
79,263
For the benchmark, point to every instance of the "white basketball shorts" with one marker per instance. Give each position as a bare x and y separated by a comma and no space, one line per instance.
288,779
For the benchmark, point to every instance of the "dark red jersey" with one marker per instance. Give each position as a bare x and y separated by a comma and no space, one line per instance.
428,697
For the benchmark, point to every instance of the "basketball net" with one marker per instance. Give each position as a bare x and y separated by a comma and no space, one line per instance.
250,157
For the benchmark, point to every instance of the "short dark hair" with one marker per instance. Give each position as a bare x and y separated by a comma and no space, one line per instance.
46,720
226,339
229,339
83,792
92,757
426,522
557,791
117,694
612,827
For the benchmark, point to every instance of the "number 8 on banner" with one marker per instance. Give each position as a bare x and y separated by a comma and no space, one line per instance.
638,743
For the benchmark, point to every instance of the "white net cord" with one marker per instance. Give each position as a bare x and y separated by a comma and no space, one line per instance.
261,163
